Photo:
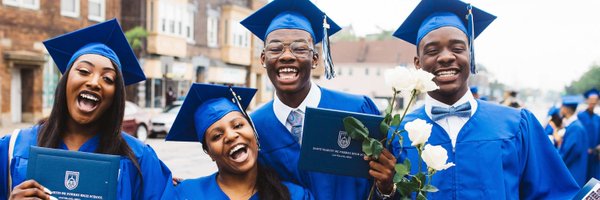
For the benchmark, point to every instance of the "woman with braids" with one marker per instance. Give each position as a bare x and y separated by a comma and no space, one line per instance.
97,63
211,115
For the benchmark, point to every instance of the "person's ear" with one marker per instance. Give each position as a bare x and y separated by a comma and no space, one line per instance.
417,62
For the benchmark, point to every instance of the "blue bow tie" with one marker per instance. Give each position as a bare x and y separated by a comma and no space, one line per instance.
463,110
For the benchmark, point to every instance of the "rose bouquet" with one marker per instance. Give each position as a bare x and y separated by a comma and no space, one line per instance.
409,83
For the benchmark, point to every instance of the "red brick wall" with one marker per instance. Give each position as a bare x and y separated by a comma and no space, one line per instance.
25,27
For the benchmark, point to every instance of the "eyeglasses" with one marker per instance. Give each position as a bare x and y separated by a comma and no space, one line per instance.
298,49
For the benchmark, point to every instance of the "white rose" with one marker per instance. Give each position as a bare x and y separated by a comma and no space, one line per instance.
418,131
435,157
397,77
407,79
424,81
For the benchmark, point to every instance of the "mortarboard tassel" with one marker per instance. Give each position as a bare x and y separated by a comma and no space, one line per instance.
327,60
236,99
470,28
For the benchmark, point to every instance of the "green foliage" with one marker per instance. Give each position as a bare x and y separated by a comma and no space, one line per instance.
357,131
587,81
135,37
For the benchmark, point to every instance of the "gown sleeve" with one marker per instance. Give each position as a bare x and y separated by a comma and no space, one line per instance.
157,178
369,107
543,173
4,166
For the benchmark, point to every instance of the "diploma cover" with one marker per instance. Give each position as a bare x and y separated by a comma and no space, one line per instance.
74,175
326,147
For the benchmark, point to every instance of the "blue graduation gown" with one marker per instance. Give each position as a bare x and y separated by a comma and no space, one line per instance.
574,151
500,153
592,125
281,152
208,188
156,175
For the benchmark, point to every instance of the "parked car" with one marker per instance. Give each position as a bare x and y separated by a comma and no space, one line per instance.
136,121
161,123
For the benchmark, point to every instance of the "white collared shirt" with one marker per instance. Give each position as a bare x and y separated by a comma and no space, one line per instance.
568,121
282,111
451,124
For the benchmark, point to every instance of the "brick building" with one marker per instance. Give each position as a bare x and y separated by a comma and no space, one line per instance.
28,76
193,41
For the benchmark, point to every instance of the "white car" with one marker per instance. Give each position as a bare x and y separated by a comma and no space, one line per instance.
161,123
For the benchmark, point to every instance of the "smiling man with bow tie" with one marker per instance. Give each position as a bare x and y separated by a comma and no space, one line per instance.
498,152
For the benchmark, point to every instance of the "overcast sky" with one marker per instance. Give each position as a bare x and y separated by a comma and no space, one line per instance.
532,43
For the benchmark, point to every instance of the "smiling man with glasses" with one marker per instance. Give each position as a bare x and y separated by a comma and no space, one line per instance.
290,30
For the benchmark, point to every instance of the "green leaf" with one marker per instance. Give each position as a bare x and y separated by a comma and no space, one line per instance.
377,148
404,188
366,147
396,121
401,170
421,196
430,188
355,128
407,163
421,177
383,128
397,178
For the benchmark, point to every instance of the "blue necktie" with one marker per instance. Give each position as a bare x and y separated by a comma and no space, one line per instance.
295,119
463,110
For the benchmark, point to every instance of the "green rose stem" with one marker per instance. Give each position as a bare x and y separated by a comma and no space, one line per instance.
413,94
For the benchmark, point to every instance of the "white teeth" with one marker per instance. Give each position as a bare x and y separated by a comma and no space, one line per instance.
89,96
284,70
236,148
447,73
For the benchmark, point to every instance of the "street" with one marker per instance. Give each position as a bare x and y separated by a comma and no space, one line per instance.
185,159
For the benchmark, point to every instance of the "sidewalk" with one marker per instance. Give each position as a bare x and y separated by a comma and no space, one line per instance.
4,130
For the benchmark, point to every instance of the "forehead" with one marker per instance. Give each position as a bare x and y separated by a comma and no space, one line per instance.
95,59
447,33
289,35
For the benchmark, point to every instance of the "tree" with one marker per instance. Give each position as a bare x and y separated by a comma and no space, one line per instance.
587,81
135,37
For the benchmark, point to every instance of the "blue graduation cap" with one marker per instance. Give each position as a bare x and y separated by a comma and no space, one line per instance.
553,111
105,39
591,92
474,89
203,106
295,14
430,15
571,101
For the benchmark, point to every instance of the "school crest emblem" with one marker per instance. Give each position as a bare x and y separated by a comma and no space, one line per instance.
71,180
344,139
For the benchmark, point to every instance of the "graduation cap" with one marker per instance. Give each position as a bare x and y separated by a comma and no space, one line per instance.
571,101
553,111
295,14
430,15
206,104
591,92
106,39
474,89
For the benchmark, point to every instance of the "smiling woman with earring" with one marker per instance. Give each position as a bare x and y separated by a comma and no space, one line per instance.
215,116
97,63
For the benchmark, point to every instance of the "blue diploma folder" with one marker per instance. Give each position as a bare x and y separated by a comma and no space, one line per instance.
326,147
591,190
74,175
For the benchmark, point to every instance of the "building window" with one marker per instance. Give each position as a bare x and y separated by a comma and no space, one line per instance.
69,8
29,4
378,71
96,10
239,35
189,24
366,71
349,71
339,72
